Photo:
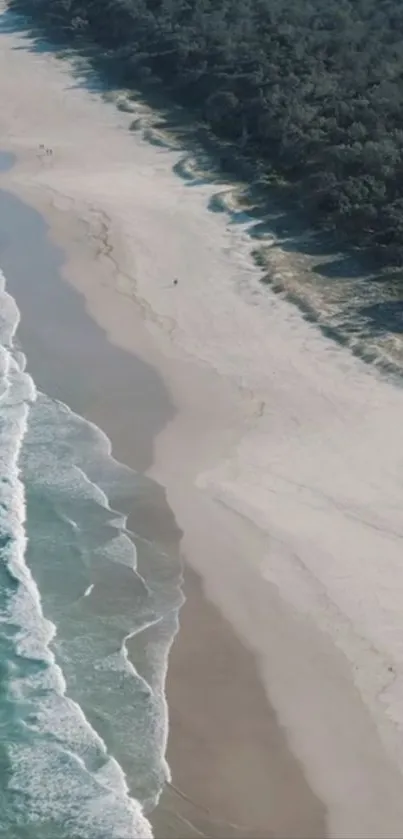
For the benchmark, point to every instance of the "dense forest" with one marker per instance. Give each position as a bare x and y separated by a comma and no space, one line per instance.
310,89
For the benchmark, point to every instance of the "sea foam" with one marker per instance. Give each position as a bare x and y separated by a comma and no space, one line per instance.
60,778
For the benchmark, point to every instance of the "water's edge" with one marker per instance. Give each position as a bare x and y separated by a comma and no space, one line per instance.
87,587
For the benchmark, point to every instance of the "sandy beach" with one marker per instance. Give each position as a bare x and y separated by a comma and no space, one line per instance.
233,773
274,458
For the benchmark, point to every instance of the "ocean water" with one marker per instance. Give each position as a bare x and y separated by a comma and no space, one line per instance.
83,725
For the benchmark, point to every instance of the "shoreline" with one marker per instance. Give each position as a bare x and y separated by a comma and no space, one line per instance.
208,664
265,467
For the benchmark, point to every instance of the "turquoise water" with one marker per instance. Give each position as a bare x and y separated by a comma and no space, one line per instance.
83,727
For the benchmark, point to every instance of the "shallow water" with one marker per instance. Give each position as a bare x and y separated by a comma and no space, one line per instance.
7,161
83,727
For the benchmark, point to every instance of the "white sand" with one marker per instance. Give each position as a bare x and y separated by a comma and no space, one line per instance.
284,465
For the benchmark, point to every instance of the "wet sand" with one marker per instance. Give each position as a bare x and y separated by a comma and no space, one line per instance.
232,772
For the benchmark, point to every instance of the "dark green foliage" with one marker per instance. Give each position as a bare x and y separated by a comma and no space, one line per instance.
310,88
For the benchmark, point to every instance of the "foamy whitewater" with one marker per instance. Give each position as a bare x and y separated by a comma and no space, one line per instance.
83,728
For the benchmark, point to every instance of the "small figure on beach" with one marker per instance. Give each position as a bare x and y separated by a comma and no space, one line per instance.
175,281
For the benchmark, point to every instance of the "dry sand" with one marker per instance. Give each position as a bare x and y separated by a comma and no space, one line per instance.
282,463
